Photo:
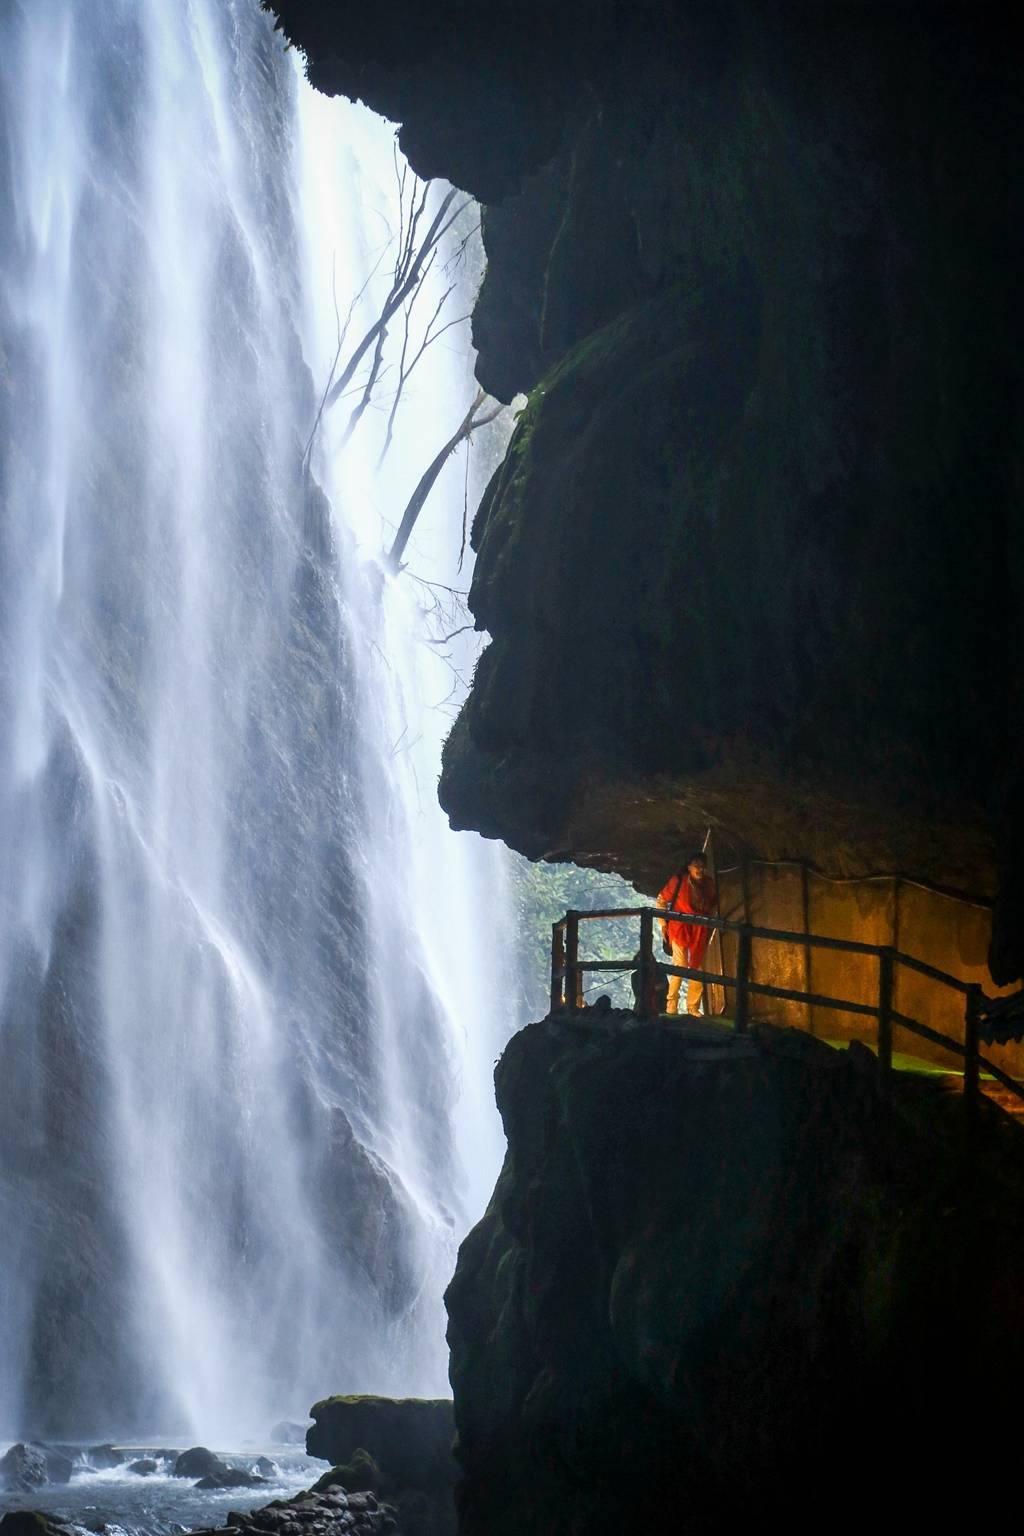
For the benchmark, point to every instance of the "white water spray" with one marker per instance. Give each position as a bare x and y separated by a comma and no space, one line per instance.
250,984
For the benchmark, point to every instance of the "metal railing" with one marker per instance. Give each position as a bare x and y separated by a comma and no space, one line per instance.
568,970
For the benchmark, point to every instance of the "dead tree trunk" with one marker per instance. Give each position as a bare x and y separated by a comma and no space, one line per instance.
417,500
399,293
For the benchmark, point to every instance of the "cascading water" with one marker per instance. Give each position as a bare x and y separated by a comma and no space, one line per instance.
245,1023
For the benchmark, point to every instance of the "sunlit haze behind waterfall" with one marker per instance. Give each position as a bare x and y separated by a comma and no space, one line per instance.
251,986
456,883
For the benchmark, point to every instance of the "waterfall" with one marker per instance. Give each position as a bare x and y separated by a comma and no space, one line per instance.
250,984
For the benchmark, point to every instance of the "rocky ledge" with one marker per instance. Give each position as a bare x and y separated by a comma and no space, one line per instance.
724,1278
400,1448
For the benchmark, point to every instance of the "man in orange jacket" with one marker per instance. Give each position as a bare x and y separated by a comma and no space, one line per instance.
692,891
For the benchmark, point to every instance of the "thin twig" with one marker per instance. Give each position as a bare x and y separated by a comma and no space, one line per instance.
444,639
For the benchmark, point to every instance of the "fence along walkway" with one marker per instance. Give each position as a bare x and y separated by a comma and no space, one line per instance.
988,1020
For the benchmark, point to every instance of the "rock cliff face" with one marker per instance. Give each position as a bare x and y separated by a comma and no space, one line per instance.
719,1281
754,557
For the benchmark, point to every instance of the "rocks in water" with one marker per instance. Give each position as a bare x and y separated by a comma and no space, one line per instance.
199,1462
330,1511
144,1467
230,1477
327,1512
265,1467
59,1465
105,1457
212,1472
289,1432
23,1467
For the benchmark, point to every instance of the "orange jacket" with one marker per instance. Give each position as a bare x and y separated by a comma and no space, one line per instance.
683,894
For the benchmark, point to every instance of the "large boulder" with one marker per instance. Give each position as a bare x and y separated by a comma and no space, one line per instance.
710,1268
59,1463
231,1477
23,1467
199,1462
410,1439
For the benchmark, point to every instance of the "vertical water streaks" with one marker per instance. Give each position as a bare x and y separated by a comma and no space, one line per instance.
248,991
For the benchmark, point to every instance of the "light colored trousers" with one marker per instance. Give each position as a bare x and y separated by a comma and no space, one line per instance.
694,989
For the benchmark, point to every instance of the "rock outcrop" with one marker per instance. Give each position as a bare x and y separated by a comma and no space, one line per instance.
410,1438
754,557
722,1279
400,1448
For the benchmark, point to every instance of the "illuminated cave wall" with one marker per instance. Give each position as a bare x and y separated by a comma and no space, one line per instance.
947,932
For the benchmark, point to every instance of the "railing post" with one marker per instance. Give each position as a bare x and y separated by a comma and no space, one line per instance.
972,1073
572,955
645,973
886,981
742,977
557,966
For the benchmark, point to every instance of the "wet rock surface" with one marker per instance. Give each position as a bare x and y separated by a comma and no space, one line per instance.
105,1457
327,1511
198,1461
32,1464
330,1511
230,1477
23,1467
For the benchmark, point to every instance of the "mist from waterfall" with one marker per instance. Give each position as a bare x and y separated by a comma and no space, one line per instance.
251,985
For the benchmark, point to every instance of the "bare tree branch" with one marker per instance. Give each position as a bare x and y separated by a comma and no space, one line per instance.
469,424
408,270
444,639
404,372
378,355
342,331
465,512
456,258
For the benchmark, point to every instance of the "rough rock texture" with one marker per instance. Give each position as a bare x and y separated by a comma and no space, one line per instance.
198,1462
331,1512
23,1467
213,1472
754,556
718,1280
409,1438
400,1448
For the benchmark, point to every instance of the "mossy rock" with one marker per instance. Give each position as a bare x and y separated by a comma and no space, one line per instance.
360,1474
408,1439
